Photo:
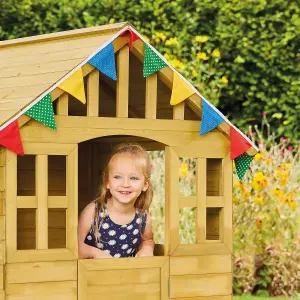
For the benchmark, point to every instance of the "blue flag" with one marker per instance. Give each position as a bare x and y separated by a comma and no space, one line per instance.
210,118
105,62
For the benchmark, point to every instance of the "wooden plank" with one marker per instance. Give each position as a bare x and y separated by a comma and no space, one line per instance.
2,179
41,271
57,202
2,228
66,290
41,255
2,156
207,248
151,96
226,213
201,200
2,203
178,111
72,194
164,281
1,277
190,201
200,285
62,107
2,253
31,202
93,94
172,238
124,263
82,282
48,148
227,297
127,291
206,264
42,201
122,82
214,201
11,203
129,276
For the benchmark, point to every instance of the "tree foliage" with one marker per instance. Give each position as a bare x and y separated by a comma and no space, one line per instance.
259,42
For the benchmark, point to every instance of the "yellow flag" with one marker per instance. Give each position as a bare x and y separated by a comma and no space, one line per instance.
74,85
180,91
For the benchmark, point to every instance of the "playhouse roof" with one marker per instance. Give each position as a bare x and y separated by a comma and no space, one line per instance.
30,66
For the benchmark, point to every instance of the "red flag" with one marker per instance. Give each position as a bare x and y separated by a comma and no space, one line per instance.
10,138
133,37
238,144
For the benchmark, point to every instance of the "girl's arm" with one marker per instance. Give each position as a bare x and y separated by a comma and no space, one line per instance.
146,247
84,226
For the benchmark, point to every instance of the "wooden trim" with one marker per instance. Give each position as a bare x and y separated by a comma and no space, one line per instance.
201,200
122,93
151,96
72,194
62,106
214,201
11,203
172,238
93,93
164,280
190,202
207,248
47,148
42,201
178,111
82,281
31,202
226,213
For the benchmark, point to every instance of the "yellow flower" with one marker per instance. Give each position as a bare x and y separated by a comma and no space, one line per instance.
235,199
171,41
258,200
257,157
159,36
216,53
268,160
259,181
177,64
202,56
146,38
166,56
286,166
183,171
277,192
194,73
201,38
283,199
292,205
224,79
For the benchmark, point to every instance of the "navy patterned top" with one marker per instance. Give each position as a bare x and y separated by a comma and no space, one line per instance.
118,240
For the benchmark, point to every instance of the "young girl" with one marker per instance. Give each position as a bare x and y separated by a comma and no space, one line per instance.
118,224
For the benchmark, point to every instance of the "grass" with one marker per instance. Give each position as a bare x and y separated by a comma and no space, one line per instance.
250,297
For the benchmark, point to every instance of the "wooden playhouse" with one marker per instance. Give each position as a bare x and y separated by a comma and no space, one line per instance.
43,192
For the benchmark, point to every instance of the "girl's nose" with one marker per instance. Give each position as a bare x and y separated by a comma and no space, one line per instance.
126,182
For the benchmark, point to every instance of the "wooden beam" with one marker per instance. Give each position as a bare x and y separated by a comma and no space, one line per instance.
151,96
93,94
178,111
122,83
62,106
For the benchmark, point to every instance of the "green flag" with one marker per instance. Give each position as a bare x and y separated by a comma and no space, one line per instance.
242,163
152,62
43,112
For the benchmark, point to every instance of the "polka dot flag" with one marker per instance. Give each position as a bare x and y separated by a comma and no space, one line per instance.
242,163
43,112
152,62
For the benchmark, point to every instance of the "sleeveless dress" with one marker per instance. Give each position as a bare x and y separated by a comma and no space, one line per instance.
118,240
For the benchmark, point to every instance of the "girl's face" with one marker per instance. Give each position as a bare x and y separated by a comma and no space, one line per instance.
126,180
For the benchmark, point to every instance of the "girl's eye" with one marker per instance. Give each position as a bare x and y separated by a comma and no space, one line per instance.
117,177
134,178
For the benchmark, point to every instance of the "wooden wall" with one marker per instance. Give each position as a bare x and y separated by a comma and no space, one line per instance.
2,219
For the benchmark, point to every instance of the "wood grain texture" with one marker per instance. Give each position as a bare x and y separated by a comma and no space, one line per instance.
151,96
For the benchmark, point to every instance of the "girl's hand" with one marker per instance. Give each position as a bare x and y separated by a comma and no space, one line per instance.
144,252
100,254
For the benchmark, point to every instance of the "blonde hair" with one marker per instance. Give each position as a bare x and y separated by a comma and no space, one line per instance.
143,201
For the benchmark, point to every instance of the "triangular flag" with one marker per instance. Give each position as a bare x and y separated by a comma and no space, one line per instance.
180,91
10,138
133,37
242,163
74,85
238,144
152,62
210,118
105,62
43,112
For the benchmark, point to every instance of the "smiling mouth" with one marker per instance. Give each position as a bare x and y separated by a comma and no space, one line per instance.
125,193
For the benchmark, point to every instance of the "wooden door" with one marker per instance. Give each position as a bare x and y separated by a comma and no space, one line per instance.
203,268
141,278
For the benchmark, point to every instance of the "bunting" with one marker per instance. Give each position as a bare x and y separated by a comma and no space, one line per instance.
180,91
242,163
43,112
133,37
238,144
74,85
105,62
10,138
152,62
210,118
